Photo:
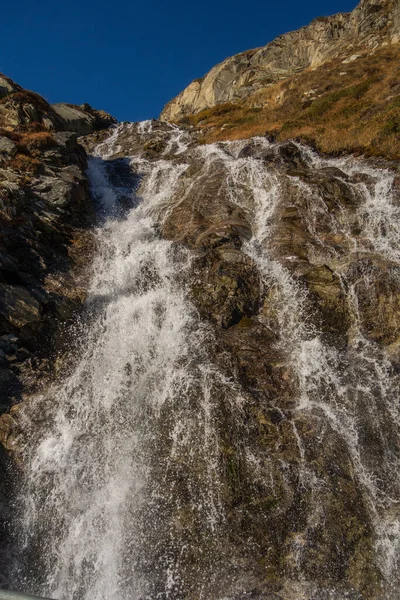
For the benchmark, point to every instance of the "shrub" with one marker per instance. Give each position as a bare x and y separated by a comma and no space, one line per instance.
324,104
11,135
31,142
30,128
392,125
26,165
214,112
27,97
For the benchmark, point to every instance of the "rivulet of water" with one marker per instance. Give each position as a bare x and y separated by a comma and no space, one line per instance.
353,389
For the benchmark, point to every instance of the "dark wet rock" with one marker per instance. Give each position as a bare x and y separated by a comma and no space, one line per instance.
251,352
154,147
290,156
291,236
260,153
206,217
329,296
229,233
18,306
248,152
229,286
378,294
331,185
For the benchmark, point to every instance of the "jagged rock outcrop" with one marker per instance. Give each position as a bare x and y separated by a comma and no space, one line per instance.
19,108
82,119
372,24
45,210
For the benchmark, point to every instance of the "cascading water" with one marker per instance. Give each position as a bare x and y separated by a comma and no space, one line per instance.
340,385
133,459
139,393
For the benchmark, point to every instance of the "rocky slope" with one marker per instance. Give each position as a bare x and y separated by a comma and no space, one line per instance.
372,24
294,264
269,452
45,210
20,108
336,111
45,215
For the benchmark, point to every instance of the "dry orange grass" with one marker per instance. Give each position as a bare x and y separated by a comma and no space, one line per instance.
338,108
22,97
30,147
26,165
33,127
30,143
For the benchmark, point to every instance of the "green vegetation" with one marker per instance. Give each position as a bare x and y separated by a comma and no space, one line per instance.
322,105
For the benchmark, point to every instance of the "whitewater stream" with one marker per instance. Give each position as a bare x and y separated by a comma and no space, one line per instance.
126,492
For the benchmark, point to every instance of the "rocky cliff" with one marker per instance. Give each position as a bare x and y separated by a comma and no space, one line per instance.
372,24
45,210
45,214
21,108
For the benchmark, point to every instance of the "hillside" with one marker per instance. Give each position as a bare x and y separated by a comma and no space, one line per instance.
334,84
45,210
353,107
372,24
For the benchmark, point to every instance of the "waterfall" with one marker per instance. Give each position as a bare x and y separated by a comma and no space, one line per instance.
137,395
132,458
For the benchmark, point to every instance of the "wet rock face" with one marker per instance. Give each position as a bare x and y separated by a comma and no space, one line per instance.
295,268
228,288
292,267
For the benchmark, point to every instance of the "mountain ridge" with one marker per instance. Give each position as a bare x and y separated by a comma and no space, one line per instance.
372,24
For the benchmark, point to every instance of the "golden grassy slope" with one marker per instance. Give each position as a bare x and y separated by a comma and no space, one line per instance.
338,108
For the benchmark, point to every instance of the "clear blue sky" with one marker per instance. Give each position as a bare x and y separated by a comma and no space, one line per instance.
130,57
